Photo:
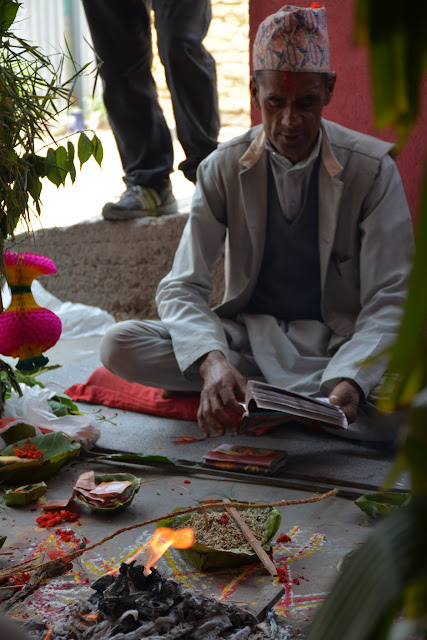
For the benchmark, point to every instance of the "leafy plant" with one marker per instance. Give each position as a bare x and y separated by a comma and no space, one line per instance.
30,89
10,378
387,575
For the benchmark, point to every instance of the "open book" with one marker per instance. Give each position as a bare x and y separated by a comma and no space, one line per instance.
269,406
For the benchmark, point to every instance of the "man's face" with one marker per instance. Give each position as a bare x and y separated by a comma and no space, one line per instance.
291,105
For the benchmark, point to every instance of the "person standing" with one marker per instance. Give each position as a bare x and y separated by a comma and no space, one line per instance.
121,34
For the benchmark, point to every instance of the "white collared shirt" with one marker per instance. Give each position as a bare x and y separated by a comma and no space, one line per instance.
291,179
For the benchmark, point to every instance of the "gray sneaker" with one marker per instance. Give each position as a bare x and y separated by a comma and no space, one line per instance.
141,202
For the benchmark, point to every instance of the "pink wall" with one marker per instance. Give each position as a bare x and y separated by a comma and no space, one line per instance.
352,105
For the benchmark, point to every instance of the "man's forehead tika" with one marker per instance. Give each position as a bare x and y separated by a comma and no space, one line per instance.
293,39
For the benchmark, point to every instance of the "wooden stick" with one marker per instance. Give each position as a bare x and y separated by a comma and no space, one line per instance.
72,555
205,515
256,546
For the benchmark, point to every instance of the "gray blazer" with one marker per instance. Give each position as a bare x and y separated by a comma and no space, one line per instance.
365,245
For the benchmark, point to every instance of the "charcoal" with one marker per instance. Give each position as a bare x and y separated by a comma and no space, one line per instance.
102,583
182,631
143,631
165,623
217,623
242,634
120,586
113,607
128,621
132,606
98,632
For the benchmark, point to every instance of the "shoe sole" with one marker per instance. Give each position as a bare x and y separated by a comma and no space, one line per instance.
131,214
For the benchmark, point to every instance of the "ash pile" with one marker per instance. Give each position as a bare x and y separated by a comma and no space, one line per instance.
133,606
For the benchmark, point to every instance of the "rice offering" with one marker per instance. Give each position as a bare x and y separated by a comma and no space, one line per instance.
218,530
219,542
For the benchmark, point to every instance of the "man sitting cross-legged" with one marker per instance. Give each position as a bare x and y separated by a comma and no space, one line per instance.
318,242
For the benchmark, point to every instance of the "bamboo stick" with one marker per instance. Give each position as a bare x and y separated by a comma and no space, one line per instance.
256,546
68,557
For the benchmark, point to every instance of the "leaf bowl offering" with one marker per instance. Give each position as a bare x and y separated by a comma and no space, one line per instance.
112,492
219,542
24,495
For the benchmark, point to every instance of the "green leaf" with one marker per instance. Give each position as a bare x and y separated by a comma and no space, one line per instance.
61,156
84,148
34,187
8,11
155,460
57,448
98,151
381,504
52,172
19,431
24,495
368,591
70,161
62,405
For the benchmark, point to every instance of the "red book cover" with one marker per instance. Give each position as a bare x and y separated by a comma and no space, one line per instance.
239,458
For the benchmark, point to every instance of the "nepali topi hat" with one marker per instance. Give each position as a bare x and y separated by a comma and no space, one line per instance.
293,39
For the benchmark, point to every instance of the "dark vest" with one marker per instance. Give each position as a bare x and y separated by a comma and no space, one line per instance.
288,285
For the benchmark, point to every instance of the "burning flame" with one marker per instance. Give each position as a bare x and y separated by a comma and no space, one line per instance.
164,538
90,617
48,636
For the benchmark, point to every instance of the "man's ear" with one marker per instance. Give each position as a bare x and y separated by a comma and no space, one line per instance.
330,87
254,88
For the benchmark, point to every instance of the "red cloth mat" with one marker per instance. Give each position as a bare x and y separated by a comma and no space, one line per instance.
103,387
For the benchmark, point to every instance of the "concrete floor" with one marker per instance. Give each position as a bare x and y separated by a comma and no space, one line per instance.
321,533
320,459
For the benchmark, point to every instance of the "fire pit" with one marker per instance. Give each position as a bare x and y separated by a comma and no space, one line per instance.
133,606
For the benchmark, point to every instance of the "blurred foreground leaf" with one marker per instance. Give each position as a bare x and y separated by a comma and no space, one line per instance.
374,578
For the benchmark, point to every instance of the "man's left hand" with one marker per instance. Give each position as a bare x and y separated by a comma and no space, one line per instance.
346,396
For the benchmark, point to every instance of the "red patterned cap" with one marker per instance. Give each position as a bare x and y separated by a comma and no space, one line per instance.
293,39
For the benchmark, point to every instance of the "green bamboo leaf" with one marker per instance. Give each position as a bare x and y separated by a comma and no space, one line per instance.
409,354
8,11
98,151
400,465
84,148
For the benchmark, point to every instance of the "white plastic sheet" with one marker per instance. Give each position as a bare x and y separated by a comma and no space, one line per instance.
33,407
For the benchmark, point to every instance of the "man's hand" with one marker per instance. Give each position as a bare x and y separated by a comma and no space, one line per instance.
346,396
223,387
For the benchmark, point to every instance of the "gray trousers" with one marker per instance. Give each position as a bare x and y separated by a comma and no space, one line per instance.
142,351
